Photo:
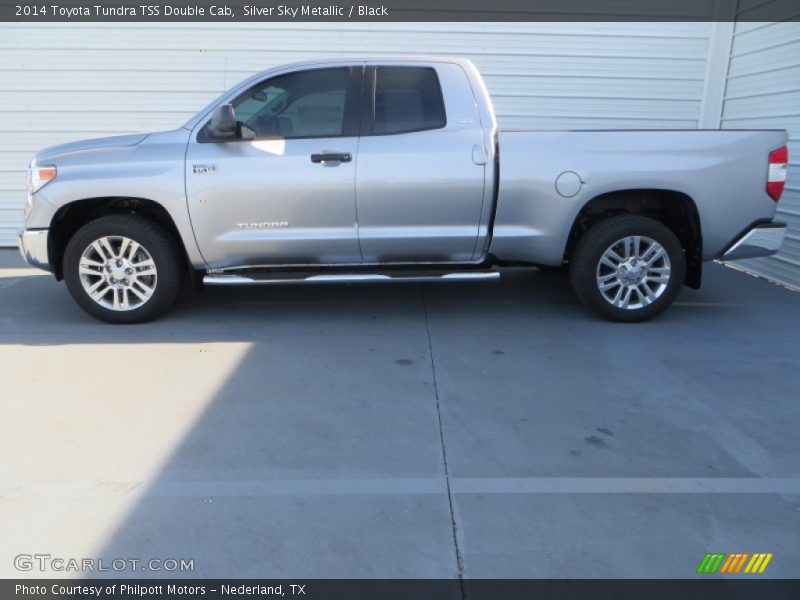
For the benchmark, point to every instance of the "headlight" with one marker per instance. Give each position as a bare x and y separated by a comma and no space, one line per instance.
39,175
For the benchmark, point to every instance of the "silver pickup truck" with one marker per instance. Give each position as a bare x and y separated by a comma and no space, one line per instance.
394,170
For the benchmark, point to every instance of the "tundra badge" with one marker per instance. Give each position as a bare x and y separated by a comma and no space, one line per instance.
264,225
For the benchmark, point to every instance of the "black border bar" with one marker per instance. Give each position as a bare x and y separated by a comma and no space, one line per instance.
729,588
32,11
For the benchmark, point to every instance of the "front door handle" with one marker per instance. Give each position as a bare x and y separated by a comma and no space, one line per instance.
331,157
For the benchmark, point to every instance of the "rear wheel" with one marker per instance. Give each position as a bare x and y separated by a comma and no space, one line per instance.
123,269
628,268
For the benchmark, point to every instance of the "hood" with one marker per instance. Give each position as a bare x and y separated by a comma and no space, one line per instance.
117,141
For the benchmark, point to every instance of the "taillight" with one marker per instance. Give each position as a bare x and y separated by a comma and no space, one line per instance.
776,179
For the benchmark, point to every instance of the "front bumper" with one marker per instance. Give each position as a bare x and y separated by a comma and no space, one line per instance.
33,247
761,240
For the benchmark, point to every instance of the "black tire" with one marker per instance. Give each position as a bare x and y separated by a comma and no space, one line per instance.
157,241
585,268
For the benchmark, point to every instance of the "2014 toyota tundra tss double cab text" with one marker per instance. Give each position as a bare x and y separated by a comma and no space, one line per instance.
394,170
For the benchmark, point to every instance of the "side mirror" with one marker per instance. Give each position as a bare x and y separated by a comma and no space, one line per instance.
223,123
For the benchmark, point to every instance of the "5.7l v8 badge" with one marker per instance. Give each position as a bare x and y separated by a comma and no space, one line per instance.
203,169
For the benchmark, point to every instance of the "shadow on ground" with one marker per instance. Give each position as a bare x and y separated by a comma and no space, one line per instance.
313,432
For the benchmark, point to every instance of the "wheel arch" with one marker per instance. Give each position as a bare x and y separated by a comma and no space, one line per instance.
675,209
72,216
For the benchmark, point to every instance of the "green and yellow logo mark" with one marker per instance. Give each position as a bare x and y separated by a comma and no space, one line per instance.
734,563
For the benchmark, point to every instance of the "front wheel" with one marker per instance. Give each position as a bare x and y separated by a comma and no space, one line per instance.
123,269
628,268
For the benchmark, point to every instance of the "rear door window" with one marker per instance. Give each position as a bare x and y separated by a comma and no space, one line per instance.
406,99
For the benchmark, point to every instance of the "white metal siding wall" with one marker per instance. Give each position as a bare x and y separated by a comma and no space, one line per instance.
763,92
62,82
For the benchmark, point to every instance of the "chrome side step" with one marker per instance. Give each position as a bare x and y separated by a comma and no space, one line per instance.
232,279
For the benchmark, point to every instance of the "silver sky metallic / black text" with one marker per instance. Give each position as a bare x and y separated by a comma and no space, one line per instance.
308,10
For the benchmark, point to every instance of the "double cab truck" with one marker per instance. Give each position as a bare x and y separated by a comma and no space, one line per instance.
387,170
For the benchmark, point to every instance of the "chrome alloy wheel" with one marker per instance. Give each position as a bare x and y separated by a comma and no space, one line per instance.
118,273
633,272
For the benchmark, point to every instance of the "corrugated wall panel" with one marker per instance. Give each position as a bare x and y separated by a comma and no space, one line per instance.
62,82
763,91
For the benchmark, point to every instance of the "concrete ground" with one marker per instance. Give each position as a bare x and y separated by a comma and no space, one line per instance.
486,430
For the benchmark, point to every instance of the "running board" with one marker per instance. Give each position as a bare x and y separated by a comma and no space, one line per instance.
232,279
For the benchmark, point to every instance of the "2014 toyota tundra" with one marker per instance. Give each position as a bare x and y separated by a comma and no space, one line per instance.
394,170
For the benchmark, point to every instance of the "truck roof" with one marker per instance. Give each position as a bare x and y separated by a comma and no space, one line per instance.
424,58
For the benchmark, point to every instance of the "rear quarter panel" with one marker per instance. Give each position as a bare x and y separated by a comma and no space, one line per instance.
724,172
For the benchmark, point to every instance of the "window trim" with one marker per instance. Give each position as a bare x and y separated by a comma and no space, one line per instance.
351,119
369,90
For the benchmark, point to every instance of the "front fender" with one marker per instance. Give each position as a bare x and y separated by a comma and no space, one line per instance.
151,170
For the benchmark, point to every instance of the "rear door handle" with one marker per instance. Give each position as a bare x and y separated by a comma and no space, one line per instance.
478,155
331,157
